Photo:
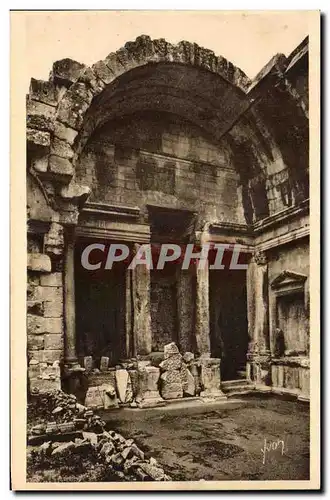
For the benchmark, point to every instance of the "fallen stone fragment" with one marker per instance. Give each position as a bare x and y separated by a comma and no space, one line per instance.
188,381
117,460
107,449
104,364
91,436
155,472
45,448
57,410
63,448
170,350
139,453
188,357
121,384
80,408
38,429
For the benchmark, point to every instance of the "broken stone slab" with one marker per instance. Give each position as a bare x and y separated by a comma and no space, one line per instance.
154,472
172,363
188,381
63,449
88,363
188,357
121,383
110,396
171,385
104,363
129,390
90,436
94,398
170,350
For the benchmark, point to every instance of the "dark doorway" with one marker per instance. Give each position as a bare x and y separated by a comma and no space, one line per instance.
100,311
228,321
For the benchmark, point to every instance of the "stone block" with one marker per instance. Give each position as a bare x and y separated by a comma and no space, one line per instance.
129,390
170,350
43,91
53,279
188,381
53,309
45,293
49,356
172,363
40,116
104,364
121,384
94,398
61,167
35,307
210,376
88,363
65,133
35,342
45,385
53,341
37,325
38,140
148,393
171,385
39,262
188,357
61,148
67,71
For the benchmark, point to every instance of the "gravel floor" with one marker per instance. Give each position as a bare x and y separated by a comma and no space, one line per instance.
223,442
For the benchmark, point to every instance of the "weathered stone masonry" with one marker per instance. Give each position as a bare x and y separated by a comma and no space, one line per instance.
170,143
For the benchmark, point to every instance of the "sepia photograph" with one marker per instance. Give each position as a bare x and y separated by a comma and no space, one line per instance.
170,331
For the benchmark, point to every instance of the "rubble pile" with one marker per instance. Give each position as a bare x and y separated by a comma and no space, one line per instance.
72,437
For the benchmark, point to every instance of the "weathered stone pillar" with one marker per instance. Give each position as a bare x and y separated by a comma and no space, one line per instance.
202,328
70,357
142,335
72,369
185,308
258,366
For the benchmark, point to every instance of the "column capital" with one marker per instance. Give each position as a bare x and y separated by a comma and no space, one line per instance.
260,258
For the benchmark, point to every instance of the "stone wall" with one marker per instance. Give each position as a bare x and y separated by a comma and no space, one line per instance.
159,159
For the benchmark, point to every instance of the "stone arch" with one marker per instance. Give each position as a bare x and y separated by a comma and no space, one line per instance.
57,108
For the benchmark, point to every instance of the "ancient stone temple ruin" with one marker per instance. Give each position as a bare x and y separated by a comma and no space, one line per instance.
168,143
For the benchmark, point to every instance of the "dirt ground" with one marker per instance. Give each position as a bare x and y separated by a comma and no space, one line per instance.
224,442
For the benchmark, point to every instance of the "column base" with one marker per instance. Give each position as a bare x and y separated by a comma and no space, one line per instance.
150,399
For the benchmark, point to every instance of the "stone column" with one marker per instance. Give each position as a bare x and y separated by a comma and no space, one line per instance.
142,335
258,366
202,327
70,356
185,308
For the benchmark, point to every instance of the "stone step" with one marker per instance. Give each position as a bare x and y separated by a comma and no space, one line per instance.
236,382
233,387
